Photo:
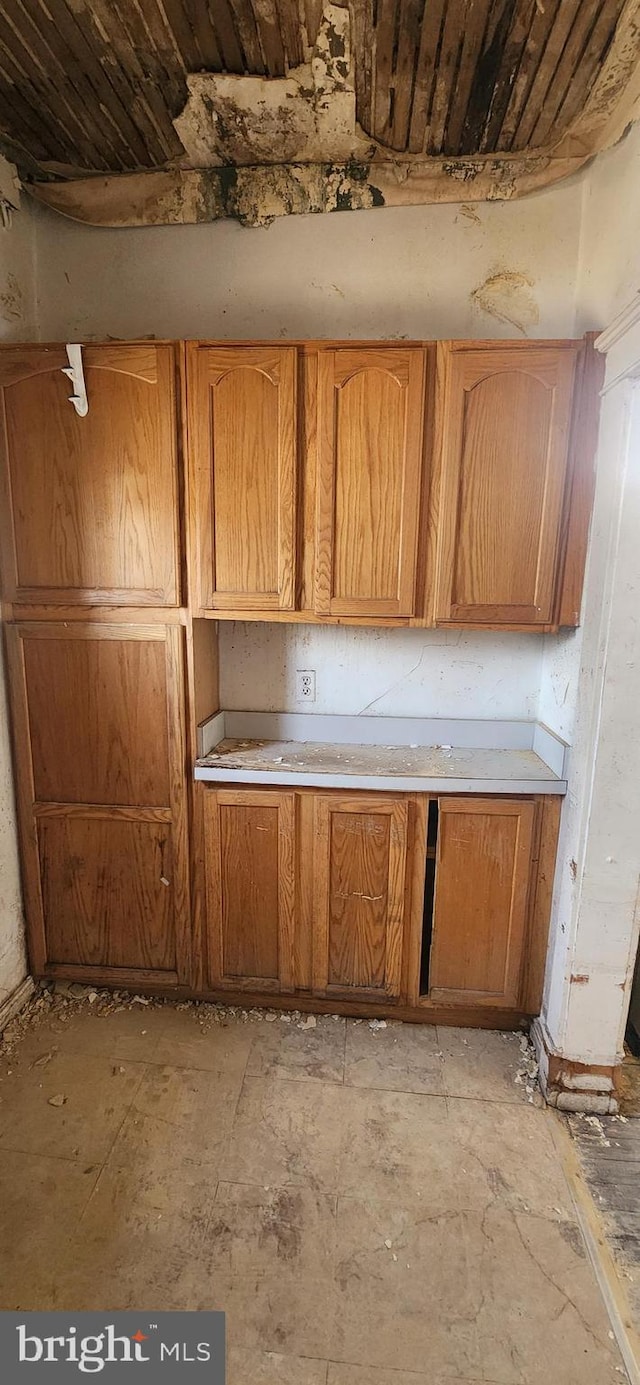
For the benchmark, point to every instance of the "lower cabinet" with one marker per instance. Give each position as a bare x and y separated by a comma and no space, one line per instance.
99,725
426,904
359,874
250,856
481,900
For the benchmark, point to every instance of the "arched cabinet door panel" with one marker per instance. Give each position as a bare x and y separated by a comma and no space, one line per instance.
370,445
504,440
243,457
90,504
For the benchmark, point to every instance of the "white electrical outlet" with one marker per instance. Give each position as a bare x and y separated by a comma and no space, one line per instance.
305,685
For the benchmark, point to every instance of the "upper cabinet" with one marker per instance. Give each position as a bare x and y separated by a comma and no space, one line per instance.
90,505
242,428
324,482
504,430
370,425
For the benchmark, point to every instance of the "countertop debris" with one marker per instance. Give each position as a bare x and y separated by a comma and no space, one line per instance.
321,758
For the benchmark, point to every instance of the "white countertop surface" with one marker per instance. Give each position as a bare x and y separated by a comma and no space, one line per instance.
413,768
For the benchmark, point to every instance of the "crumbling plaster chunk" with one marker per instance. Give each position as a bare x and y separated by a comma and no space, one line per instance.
309,116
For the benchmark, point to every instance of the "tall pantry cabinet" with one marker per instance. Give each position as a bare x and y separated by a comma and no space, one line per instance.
96,649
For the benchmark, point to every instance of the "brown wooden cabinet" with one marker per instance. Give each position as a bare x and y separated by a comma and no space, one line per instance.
90,505
370,429
250,857
359,872
483,880
504,423
433,907
99,722
243,451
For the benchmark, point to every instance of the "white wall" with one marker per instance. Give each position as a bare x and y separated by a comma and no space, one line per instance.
398,672
392,272
594,926
609,262
17,323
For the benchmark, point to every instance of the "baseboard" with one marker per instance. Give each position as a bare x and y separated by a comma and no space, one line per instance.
15,1002
570,1085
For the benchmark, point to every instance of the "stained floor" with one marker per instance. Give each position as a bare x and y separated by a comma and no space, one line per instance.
609,1149
369,1207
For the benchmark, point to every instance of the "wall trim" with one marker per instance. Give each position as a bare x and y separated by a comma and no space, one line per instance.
569,1085
620,343
621,324
16,1002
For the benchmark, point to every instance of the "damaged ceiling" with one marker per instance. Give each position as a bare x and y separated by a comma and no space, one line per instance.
138,112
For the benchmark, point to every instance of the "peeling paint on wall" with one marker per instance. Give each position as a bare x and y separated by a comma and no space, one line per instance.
507,296
11,300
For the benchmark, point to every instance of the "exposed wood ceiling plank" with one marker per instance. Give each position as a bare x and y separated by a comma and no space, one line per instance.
385,34
290,31
549,59
541,26
268,24
201,22
475,25
111,86
21,122
252,58
513,49
432,24
451,44
36,67
486,74
569,72
147,23
163,80
13,149
313,15
590,62
179,23
363,39
147,108
406,61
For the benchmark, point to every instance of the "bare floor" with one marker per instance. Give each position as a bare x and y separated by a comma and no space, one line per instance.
370,1207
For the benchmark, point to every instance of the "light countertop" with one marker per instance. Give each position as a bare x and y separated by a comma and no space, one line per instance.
410,767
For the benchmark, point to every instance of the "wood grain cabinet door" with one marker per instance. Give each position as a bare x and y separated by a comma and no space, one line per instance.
483,871
370,431
243,446
90,504
360,850
99,725
504,436
250,868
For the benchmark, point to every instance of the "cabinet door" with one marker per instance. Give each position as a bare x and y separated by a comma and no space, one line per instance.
91,509
107,881
242,443
483,868
370,431
251,888
360,850
99,724
504,432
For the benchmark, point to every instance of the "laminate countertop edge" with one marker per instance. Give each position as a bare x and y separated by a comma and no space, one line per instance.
396,755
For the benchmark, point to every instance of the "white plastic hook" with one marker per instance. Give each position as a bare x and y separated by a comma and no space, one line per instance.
76,374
